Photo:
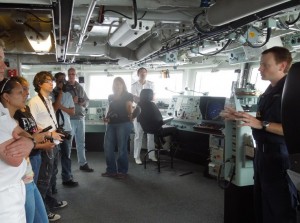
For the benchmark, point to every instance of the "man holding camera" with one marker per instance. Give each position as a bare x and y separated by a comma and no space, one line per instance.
64,107
81,101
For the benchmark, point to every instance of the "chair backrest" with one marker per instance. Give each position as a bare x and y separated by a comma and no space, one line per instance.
146,95
291,109
150,117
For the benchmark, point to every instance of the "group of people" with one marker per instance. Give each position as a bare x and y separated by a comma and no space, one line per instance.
32,135
38,130
275,196
29,155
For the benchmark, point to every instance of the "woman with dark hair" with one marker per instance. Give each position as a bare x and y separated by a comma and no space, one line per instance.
34,205
13,165
119,126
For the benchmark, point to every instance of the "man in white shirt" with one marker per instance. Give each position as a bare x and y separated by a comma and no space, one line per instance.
136,89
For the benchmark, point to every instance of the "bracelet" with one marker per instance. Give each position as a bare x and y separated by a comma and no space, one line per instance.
34,142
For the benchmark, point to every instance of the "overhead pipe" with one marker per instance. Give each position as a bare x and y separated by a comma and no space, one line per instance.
173,15
66,26
25,6
59,21
133,26
237,9
85,26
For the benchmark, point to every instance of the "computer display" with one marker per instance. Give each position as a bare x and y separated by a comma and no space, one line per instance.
210,108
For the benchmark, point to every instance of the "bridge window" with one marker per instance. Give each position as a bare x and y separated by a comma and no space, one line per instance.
215,83
173,83
255,78
100,86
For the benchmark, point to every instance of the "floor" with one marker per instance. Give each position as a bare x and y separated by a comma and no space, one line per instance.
181,194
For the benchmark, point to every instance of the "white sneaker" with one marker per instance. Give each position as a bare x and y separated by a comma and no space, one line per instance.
138,161
53,217
153,159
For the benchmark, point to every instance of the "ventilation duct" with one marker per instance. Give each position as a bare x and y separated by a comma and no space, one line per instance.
151,46
226,11
125,34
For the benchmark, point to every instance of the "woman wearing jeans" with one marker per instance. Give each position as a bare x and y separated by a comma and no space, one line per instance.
34,205
12,97
119,126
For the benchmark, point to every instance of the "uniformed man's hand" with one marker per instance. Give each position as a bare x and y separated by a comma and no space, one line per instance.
229,113
248,120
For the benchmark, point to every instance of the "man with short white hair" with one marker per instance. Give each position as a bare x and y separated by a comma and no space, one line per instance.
81,102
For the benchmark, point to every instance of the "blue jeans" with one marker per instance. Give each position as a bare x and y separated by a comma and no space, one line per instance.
34,205
65,152
36,161
78,131
117,135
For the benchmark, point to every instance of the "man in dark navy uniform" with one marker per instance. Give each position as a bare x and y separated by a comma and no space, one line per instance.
275,196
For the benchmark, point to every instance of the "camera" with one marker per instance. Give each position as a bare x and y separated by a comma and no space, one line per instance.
66,135
65,86
80,100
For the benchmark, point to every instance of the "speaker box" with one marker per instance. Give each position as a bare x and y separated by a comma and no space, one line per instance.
81,80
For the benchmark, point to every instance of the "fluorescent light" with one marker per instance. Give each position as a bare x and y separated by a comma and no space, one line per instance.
96,55
38,44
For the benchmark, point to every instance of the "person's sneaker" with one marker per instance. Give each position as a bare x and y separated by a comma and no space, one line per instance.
121,176
70,183
53,217
109,174
153,159
86,168
60,204
138,161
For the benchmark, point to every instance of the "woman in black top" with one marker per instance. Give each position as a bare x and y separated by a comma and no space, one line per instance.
119,119
27,122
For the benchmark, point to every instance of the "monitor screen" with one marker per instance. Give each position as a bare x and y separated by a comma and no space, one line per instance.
210,107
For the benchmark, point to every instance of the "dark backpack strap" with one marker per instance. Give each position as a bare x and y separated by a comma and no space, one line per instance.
58,115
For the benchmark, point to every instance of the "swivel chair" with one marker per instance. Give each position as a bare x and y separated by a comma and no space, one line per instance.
290,108
151,122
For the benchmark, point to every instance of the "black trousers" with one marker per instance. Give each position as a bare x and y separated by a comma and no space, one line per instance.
275,196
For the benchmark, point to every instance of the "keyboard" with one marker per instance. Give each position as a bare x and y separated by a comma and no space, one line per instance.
210,128
167,119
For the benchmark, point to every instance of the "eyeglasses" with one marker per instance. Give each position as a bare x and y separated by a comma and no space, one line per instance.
49,81
25,88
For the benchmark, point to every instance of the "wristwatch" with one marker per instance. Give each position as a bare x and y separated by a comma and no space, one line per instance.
265,124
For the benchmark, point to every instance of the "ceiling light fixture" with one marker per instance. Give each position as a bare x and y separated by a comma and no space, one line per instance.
40,42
